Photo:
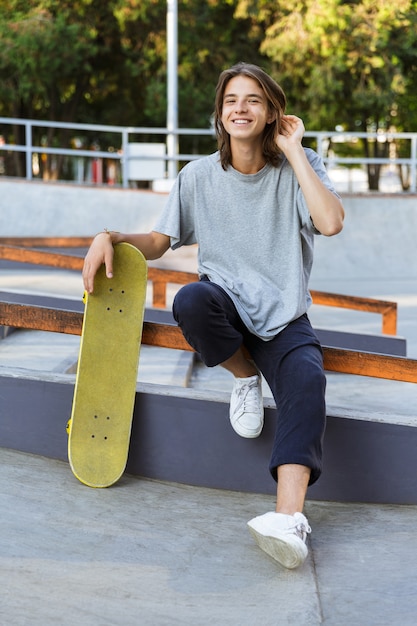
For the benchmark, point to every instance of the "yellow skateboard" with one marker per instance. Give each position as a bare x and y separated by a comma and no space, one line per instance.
105,387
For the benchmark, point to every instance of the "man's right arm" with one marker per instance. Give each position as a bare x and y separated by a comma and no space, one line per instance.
152,245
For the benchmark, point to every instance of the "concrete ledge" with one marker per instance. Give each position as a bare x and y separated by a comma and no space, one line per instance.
41,210
376,343
365,342
377,241
184,436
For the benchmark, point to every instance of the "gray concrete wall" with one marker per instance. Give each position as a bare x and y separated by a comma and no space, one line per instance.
378,240
41,210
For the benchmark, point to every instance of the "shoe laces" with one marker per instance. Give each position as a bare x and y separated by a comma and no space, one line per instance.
248,397
302,529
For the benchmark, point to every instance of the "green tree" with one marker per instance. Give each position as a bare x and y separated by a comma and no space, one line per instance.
350,63
50,62
89,61
209,39
342,63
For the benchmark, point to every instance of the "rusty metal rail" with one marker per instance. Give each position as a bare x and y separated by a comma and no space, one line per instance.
47,242
170,336
40,257
14,249
387,309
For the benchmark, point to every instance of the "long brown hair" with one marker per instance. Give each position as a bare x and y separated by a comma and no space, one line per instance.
276,102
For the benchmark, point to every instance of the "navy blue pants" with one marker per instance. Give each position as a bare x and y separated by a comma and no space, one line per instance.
292,364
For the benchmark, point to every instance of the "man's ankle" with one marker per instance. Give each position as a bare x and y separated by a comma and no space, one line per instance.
243,370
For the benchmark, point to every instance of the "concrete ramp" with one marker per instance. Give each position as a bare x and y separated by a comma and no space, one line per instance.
378,241
374,256
35,209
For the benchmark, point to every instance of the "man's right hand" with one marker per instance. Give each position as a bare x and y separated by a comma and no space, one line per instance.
100,252
152,245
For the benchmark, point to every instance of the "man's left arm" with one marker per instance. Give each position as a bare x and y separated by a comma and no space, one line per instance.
325,207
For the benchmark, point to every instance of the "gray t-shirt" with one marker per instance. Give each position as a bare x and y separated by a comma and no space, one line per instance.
254,234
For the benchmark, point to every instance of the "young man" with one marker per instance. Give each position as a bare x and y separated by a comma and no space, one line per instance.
254,208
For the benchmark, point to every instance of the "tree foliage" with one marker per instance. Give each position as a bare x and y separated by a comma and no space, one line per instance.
350,63
341,62
88,60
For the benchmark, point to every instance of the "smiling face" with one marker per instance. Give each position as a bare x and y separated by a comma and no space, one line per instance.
249,106
245,110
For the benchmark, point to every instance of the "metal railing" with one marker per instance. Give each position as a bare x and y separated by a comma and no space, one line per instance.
324,143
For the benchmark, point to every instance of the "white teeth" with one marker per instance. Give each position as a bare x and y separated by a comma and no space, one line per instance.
240,122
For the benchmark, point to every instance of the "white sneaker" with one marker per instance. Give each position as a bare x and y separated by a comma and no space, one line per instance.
282,536
247,407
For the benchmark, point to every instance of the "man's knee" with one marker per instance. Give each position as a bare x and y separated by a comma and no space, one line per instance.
191,300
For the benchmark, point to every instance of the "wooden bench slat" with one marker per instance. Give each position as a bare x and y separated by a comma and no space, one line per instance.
370,364
170,336
47,242
40,318
387,309
161,277
40,257
164,336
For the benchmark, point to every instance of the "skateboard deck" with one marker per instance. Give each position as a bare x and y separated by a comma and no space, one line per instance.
104,394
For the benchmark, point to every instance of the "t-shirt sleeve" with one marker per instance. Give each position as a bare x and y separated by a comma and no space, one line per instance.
177,218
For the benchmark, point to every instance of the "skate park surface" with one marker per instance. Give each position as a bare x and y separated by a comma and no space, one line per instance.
148,552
